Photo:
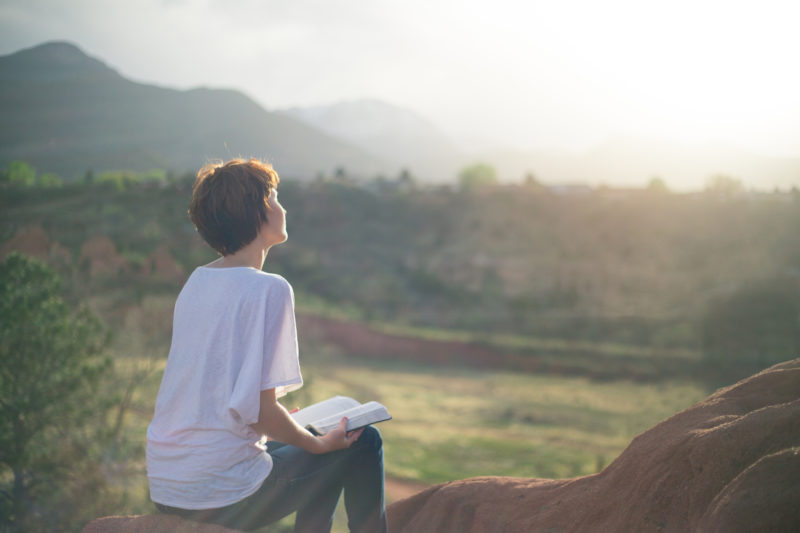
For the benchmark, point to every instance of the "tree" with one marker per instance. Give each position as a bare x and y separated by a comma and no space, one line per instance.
20,174
532,183
406,180
49,179
658,186
51,363
723,186
340,175
477,175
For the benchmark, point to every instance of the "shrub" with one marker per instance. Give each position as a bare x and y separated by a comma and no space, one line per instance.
51,363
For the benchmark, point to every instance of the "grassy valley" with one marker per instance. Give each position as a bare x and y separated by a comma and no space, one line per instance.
510,331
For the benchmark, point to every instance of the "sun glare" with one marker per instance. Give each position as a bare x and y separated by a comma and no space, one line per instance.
698,70
691,71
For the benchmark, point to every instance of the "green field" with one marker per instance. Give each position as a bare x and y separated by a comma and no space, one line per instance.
455,423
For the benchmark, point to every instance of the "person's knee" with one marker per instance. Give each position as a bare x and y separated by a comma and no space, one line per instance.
370,439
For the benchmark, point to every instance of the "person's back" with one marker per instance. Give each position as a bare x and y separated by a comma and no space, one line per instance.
201,454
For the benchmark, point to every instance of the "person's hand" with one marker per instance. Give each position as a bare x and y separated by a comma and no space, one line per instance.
339,438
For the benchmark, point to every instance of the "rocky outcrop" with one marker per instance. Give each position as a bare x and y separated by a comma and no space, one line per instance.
34,242
99,256
160,265
150,524
730,463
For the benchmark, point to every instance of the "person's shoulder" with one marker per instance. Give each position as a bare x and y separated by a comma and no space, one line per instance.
270,279
271,283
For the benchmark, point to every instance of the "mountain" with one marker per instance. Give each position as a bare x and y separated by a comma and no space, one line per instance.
633,162
54,61
397,135
66,112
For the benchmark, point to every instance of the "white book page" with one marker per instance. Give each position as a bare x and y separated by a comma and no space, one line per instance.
324,409
357,417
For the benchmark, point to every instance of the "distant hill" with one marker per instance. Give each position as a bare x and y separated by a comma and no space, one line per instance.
395,134
66,112
633,162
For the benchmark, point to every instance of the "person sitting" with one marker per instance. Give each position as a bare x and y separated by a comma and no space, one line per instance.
220,447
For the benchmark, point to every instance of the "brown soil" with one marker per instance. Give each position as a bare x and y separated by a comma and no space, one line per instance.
99,255
162,266
730,463
360,340
34,242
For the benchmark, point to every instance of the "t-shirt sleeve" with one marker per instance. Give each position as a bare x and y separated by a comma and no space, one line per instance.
281,368
271,361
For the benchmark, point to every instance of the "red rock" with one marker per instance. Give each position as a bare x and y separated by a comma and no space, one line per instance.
34,242
100,255
744,504
162,266
729,463
150,524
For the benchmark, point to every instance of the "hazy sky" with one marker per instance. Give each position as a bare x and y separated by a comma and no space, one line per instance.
536,74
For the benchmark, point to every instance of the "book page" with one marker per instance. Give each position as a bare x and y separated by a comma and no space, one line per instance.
358,416
324,409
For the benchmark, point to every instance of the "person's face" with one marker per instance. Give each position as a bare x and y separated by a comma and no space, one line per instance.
274,230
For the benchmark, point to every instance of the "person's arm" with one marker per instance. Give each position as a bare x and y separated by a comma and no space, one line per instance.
274,420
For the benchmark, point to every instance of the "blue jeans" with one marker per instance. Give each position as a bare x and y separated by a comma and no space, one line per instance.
311,485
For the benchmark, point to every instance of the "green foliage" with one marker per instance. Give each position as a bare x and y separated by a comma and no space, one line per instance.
477,175
633,268
119,180
51,364
48,179
657,185
19,174
754,327
122,180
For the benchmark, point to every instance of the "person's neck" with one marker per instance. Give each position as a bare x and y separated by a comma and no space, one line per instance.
249,256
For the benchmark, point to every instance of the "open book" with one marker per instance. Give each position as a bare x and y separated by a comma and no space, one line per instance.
324,416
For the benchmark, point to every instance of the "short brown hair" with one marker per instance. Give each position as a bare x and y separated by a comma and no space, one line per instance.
229,202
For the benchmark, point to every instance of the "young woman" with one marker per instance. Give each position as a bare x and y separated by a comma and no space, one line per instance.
233,354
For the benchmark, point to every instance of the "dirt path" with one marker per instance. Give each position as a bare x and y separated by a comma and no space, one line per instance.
359,340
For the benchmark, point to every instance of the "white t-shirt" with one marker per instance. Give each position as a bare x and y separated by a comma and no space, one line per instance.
233,336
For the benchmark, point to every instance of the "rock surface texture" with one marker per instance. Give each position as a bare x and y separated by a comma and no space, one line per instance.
150,524
730,463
